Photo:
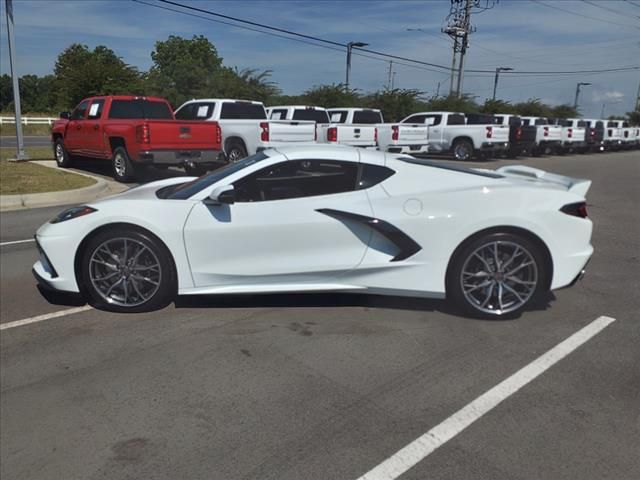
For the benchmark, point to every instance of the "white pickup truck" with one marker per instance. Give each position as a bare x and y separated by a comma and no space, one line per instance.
244,125
362,127
548,137
449,133
614,135
574,133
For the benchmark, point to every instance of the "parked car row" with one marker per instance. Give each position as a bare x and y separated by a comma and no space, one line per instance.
135,132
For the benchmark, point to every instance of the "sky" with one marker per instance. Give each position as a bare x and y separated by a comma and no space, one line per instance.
526,35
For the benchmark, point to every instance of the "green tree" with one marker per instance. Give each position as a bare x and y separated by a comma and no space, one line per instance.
6,93
395,104
183,69
81,72
564,111
329,96
497,106
534,108
452,103
634,117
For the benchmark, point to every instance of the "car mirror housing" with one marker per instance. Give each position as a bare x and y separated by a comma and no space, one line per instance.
221,195
65,115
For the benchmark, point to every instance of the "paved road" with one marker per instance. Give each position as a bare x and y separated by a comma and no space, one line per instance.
29,141
326,386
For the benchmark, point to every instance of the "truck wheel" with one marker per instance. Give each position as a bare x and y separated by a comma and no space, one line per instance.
462,150
235,152
122,166
63,159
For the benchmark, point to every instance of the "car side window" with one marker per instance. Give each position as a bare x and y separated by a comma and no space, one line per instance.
415,119
371,175
278,114
456,119
436,119
80,111
95,111
297,179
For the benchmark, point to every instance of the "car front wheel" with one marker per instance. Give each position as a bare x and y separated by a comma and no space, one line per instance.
497,275
462,150
63,159
128,271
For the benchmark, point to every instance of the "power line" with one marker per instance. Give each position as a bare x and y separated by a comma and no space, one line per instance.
310,39
584,16
608,9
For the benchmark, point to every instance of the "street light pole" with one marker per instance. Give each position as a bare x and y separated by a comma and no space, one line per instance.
580,84
20,153
495,81
350,46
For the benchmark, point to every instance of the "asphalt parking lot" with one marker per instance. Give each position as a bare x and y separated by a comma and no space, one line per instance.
327,386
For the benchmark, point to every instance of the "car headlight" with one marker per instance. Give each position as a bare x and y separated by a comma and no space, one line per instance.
71,213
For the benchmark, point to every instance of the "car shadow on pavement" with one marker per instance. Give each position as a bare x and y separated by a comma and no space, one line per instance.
329,300
104,168
62,298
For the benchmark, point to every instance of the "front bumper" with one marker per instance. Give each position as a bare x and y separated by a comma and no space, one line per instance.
55,270
181,157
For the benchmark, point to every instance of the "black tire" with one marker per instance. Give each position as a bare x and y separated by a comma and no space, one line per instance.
462,150
63,159
122,166
235,151
95,291
470,300
195,171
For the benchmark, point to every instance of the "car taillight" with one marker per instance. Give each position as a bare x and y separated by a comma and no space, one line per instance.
394,132
332,134
570,133
375,134
578,209
142,134
264,134
489,132
546,131
219,135
518,133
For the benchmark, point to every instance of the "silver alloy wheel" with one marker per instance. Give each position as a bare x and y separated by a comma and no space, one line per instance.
59,153
499,277
120,164
461,152
125,272
234,155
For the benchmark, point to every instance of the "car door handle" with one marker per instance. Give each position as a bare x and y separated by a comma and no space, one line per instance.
96,127
78,127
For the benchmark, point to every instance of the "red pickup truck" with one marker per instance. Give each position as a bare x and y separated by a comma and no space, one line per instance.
134,132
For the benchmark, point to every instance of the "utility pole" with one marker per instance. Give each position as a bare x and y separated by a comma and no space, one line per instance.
438,90
638,98
459,28
390,71
495,81
20,153
465,44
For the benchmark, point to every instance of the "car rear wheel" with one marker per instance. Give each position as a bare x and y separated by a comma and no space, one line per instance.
462,150
63,159
235,152
127,271
122,167
497,275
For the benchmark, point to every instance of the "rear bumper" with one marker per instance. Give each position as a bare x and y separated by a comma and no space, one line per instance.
180,157
569,144
497,146
407,149
569,269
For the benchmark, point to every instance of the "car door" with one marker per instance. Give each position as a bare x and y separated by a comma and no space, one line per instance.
94,141
282,228
435,132
74,137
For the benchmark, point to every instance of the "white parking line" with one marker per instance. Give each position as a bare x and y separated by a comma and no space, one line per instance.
17,241
420,448
42,318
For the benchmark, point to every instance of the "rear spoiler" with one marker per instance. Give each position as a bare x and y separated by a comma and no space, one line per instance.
574,185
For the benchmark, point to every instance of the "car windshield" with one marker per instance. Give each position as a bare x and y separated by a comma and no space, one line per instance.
182,191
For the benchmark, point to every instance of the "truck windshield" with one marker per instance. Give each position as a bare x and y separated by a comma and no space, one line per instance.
367,117
242,111
318,116
140,109
182,191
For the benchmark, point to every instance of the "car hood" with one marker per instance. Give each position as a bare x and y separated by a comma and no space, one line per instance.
146,191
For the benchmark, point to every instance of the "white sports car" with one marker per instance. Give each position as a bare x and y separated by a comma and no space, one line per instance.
326,218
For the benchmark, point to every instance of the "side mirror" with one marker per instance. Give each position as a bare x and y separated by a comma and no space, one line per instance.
221,195
65,115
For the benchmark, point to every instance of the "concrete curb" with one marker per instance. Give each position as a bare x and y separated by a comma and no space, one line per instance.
49,199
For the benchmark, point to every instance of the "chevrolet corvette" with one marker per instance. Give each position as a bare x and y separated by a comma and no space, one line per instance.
326,218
